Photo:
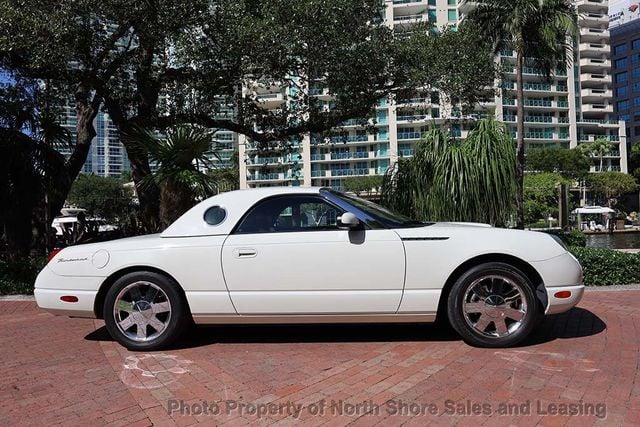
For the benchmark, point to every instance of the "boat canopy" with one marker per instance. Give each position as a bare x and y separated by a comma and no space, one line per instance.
593,210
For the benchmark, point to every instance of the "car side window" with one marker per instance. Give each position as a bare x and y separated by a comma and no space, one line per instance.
290,213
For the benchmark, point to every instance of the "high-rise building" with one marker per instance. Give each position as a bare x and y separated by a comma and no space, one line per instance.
625,57
576,107
623,11
594,109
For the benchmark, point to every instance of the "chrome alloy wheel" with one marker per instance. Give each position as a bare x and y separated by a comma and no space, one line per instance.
494,306
142,311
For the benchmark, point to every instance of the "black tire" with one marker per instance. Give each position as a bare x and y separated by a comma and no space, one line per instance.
148,307
485,302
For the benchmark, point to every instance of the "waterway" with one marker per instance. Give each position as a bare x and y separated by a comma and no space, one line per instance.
614,241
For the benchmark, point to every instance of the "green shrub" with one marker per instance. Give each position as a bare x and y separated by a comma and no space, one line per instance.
18,276
605,267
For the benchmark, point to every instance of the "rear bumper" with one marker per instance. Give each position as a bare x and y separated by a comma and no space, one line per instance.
49,300
560,305
50,287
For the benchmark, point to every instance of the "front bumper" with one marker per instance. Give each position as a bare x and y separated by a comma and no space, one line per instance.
560,305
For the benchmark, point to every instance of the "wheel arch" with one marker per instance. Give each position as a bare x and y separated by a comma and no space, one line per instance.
527,269
98,304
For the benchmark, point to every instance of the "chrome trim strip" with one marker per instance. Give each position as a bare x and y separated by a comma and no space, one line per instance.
322,318
409,239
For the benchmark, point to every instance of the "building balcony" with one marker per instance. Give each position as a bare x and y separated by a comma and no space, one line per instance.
409,135
407,20
543,120
340,139
596,94
262,161
605,168
593,137
270,100
595,64
409,7
414,101
593,19
597,108
591,34
598,6
537,88
594,48
538,135
350,155
595,79
349,172
266,177
404,118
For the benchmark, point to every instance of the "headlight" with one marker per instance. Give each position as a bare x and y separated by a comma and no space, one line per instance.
559,241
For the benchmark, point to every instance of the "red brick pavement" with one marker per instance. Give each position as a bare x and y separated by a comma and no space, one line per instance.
57,370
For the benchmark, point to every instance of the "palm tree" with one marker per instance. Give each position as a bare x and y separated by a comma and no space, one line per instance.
227,178
180,159
32,170
538,31
450,180
599,148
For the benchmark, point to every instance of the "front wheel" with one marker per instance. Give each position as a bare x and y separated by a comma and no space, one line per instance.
144,311
493,305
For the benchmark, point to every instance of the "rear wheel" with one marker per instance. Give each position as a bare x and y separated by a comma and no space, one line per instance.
144,311
493,305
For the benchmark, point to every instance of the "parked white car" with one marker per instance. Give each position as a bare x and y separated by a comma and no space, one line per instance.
312,255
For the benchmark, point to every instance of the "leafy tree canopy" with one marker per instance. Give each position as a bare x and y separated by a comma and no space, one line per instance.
572,163
103,197
214,60
541,195
611,185
363,184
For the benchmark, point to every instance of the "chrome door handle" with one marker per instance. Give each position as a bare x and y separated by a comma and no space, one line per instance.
245,253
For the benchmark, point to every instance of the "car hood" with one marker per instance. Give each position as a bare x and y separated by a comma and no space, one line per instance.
477,239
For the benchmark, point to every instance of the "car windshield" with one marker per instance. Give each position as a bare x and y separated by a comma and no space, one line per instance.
382,215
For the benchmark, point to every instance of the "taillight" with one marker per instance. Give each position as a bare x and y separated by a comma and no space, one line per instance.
53,254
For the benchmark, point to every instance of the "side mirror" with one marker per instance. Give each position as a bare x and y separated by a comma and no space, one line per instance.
348,220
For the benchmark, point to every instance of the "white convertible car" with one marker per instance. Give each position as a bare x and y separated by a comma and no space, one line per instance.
301,255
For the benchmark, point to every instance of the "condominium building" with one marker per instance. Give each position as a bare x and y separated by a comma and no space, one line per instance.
594,110
575,107
625,57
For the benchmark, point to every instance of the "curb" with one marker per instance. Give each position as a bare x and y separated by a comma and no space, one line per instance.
612,288
17,298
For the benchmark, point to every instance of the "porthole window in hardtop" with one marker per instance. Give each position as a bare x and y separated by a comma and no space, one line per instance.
215,215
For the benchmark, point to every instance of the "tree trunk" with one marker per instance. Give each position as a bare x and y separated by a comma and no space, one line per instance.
519,143
148,195
175,200
87,109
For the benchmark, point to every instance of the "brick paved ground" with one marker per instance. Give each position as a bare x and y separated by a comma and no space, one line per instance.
60,370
